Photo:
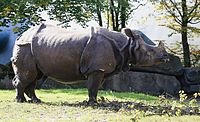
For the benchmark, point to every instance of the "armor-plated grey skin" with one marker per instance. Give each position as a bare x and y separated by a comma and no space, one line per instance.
71,56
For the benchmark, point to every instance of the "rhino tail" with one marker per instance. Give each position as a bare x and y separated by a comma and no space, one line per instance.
41,26
92,31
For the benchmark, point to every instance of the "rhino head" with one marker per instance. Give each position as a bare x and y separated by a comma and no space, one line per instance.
143,54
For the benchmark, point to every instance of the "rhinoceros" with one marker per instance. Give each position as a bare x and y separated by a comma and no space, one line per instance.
67,55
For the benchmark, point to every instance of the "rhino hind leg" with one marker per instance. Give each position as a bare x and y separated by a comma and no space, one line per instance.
93,84
25,73
19,90
30,92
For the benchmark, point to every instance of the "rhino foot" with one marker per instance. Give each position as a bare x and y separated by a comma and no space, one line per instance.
35,101
92,103
20,99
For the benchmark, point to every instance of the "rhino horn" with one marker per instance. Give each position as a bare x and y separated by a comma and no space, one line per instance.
161,44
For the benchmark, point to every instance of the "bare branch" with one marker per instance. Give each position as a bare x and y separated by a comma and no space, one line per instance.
194,8
194,22
174,52
139,6
177,20
167,7
175,6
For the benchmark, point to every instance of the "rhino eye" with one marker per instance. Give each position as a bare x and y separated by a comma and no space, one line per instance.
148,53
151,50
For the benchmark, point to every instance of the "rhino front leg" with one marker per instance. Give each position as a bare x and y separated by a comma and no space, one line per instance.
93,84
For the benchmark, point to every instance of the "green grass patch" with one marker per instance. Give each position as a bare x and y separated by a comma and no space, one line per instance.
70,105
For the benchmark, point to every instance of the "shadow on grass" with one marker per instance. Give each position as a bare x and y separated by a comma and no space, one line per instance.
121,95
129,106
71,91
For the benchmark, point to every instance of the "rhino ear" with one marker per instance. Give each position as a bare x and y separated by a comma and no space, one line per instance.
136,45
127,32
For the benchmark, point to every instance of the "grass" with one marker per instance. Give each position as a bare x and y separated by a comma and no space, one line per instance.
68,105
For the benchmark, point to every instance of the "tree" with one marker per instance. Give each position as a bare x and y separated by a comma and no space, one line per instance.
117,11
181,15
71,10
120,11
28,12
24,12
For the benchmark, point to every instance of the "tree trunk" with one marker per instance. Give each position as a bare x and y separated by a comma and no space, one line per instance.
123,14
112,14
99,13
186,50
117,16
108,20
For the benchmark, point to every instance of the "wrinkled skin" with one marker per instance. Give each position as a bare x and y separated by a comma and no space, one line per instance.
71,56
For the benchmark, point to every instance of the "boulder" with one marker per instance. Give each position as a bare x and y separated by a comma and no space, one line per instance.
150,83
191,80
192,74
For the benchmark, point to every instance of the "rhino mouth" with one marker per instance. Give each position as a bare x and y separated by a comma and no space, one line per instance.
166,60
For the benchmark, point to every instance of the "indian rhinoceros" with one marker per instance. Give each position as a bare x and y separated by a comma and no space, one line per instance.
67,56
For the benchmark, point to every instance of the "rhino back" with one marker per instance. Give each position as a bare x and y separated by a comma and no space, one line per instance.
57,52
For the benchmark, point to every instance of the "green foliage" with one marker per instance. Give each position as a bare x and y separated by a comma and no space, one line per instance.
24,12
84,11
68,10
28,12
172,13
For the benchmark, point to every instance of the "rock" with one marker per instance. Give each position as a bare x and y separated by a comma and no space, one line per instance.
192,74
191,80
154,84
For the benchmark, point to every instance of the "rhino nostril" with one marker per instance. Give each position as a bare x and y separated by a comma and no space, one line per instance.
165,55
166,60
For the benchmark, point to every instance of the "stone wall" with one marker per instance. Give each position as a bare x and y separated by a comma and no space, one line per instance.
149,83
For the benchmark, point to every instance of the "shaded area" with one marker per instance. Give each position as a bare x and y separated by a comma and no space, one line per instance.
129,106
4,37
121,95
7,40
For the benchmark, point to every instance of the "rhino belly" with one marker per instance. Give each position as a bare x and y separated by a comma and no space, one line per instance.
59,59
